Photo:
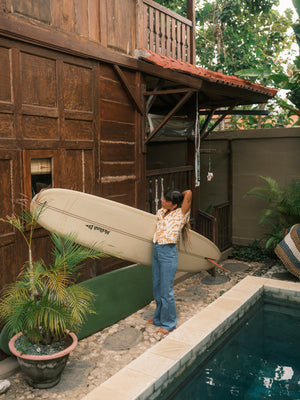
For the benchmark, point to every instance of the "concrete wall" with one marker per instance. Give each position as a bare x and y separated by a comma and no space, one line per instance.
216,191
262,152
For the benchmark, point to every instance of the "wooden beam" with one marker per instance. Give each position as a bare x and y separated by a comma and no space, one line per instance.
237,112
205,134
168,116
13,28
140,28
191,15
213,151
128,90
166,91
207,121
152,97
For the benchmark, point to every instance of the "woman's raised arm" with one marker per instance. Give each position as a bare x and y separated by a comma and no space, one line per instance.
187,201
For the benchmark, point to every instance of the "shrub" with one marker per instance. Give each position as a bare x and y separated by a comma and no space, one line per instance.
283,209
253,252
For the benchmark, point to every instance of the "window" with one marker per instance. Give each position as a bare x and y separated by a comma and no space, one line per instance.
40,169
41,174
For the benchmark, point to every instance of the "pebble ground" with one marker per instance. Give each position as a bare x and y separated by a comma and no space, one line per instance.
101,355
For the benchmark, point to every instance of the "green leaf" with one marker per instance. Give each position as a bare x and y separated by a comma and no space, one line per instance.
253,72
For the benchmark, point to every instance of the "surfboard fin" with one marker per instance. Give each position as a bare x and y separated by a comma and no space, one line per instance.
215,263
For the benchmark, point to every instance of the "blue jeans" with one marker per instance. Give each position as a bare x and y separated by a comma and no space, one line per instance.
164,266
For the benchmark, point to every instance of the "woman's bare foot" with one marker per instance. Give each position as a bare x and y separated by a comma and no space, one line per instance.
163,331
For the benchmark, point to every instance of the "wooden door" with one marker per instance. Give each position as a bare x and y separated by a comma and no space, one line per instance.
11,257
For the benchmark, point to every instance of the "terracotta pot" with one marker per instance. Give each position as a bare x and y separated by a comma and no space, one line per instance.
43,371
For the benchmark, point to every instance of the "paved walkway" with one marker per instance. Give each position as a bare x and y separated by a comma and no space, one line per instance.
101,355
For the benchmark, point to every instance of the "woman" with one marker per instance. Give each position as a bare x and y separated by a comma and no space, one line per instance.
172,218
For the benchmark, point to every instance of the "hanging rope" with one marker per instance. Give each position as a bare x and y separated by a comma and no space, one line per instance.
162,194
197,146
156,200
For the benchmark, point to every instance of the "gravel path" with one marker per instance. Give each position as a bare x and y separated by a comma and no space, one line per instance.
101,355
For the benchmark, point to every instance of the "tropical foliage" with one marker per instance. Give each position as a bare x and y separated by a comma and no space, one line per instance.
248,38
44,302
288,80
238,34
234,35
253,252
283,207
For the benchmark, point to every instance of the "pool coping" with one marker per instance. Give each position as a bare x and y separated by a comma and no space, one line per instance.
146,376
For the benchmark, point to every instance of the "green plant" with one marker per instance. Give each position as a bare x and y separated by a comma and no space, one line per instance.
253,252
44,302
283,208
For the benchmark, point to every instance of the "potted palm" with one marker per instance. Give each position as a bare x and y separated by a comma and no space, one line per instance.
43,308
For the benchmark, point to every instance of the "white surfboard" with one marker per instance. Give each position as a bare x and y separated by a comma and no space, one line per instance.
116,229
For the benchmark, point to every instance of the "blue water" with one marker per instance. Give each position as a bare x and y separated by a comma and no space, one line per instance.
261,360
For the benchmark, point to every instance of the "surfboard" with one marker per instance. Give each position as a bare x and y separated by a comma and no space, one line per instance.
115,229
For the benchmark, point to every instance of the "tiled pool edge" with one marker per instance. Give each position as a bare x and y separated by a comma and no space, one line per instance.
146,376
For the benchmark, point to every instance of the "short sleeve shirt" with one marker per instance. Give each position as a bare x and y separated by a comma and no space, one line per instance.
168,228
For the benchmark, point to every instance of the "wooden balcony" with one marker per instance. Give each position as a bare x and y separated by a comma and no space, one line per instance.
164,31
119,25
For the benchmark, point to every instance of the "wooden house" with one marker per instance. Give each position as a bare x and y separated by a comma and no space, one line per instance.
78,81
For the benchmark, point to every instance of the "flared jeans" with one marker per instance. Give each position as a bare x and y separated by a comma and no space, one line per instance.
164,266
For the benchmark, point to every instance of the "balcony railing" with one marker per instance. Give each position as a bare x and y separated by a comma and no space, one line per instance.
217,226
160,181
166,32
222,213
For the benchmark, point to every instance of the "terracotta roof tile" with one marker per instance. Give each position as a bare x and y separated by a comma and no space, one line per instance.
203,73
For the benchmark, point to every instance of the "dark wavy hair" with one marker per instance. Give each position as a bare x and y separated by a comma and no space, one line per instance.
175,196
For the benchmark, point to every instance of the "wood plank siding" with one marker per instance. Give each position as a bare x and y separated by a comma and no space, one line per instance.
119,25
72,102
76,113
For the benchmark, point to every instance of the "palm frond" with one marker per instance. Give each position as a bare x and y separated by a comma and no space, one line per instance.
80,302
70,254
53,316
55,284
283,207
44,301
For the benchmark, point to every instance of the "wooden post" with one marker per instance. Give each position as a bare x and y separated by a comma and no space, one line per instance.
141,183
190,7
140,24
230,185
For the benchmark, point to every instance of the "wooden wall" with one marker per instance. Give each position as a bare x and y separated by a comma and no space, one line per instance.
118,141
76,112
112,23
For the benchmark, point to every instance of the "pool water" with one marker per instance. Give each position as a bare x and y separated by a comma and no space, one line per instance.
259,360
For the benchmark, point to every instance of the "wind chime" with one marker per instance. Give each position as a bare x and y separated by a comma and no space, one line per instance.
158,200
210,174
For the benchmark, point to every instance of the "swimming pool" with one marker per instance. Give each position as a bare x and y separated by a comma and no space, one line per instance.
258,359
148,376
